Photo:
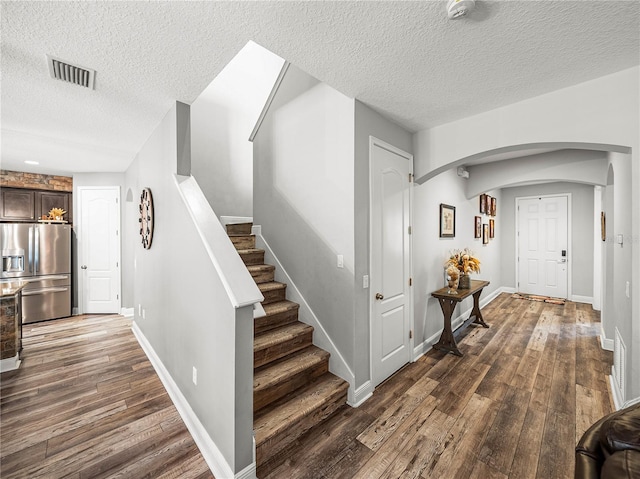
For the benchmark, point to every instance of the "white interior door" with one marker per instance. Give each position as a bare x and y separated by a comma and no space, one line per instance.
543,254
99,249
390,259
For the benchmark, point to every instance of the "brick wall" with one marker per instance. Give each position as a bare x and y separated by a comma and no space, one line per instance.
18,179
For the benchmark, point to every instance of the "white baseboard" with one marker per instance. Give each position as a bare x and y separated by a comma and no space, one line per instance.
127,312
426,346
360,395
606,344
337,363
618,400
581,299
212,455
234,220
631,402
9,364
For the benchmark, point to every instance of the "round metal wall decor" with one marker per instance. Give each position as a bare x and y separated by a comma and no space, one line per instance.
146,218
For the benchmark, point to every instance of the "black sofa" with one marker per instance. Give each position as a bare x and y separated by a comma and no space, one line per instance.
610,449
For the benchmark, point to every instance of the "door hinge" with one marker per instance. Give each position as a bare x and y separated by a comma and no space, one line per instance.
410,177
116,201
117,233
410,281
410,230
117,264
411,334
117,296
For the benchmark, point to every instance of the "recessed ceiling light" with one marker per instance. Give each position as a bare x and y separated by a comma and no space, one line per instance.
31,162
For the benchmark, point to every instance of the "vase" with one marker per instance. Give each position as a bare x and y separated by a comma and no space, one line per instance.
465,281
453,285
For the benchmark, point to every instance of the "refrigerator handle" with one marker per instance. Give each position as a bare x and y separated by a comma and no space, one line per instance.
36,245
30,249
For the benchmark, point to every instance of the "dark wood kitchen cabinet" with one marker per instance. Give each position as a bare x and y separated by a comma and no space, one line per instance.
17,205
21,204
45,200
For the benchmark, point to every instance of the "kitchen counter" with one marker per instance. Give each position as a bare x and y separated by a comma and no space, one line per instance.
10,325
11,288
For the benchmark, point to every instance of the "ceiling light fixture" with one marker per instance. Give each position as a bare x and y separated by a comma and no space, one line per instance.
31,162
459,8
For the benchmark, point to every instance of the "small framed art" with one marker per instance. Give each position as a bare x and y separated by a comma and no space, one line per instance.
494,205
492,228
447,221
477,227
483,204
485,234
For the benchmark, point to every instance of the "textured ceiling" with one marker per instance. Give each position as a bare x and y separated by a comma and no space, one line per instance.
404,59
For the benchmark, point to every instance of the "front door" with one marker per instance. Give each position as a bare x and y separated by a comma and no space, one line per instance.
390,259
542,246
99,249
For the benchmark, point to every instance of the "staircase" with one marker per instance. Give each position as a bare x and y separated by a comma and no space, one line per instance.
293,389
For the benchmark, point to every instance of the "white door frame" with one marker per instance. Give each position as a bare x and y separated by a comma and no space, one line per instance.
382,144
80,252
569,241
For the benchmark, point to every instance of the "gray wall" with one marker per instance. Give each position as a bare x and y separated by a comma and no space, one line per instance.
582,226
187,316
290,151
367,123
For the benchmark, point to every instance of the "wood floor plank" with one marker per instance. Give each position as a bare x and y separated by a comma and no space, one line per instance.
86,402
527,387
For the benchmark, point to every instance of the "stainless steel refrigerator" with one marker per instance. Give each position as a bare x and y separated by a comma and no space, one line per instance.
39,255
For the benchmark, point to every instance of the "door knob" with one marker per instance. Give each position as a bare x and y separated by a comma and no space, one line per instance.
379,296
84,266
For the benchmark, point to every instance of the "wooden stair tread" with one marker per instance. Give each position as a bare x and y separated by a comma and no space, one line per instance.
280,307
271,285
279,335
239,228
260,267
284,415
250,251
278,371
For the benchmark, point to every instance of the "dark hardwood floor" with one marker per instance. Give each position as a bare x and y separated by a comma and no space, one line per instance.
513,407
86,403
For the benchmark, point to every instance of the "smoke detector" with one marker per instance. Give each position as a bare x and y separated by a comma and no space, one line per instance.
67,71
459,8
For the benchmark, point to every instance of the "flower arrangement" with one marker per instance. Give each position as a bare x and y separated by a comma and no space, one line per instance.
56,214
464,261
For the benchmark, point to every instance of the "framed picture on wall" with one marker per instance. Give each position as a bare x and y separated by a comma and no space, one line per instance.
487,204
483,204
447,221
477,228
492,228
603,226
485,234
493,206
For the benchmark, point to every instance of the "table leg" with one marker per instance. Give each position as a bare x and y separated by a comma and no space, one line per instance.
476,310
447,341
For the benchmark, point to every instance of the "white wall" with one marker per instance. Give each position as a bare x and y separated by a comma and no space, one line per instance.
581,166
304,197
431,251
367,123
604,111
222,118
188,317
582,227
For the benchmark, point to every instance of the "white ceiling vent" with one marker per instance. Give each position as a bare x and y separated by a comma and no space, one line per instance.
67,71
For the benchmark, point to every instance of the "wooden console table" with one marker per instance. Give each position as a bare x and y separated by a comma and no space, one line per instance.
448,302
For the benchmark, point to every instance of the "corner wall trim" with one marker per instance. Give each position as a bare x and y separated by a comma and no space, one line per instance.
581,299
212,455
606,344
360,395
9,364
127,312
